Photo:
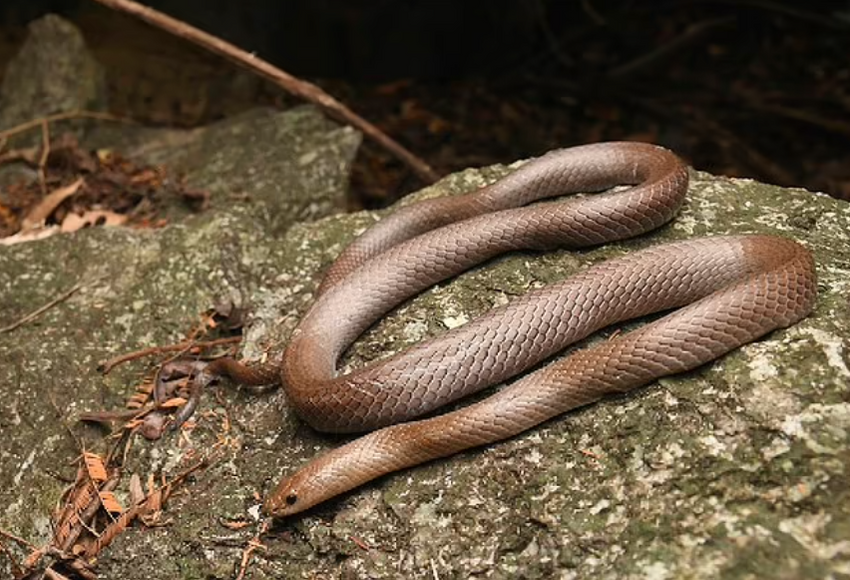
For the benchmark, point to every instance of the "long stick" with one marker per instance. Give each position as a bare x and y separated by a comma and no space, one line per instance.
297,87
36,313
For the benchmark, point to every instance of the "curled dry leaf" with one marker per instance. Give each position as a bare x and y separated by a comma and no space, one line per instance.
95,467
74,222
235,525
110,502
139,399
173,402
29,235
28,155
137,493
43,210
32,560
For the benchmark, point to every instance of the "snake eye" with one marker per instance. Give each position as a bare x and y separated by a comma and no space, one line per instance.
291,499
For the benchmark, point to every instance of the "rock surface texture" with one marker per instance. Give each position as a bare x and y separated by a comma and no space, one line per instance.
735,470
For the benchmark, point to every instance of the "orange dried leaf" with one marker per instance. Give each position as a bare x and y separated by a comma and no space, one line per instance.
141,396
110,502
147,175
137,401
29,235
173,402
134,424
95,467
74,222
41,212
34,558
236,525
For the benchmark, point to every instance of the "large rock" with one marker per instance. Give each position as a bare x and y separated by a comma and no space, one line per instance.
737,470
295,163
53,73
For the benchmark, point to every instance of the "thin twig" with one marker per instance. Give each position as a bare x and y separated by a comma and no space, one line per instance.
60,117
770,170
824,122
26,154
45,153
17,572
554,43
787,8
253,545
671,49
122,415
735,95
297,87
110,364
18,540
592,13
64,296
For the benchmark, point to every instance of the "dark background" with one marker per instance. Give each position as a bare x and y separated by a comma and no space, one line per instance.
757,88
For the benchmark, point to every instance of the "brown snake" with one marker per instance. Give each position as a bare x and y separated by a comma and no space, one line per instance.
729,291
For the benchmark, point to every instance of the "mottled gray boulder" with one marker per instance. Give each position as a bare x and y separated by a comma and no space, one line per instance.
737,470
52,73
296,164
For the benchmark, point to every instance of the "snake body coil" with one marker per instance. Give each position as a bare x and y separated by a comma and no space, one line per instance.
729,291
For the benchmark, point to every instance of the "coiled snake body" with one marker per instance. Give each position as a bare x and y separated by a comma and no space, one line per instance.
729,291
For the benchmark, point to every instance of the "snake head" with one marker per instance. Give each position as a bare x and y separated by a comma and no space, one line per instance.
311,485
331,474
284,500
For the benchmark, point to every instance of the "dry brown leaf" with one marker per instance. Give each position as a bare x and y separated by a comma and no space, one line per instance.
112,531
140,397
33,559
95,467
154,501
110,502
29,235
41,212
29,155
137,493
74,222
236,525
174,402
